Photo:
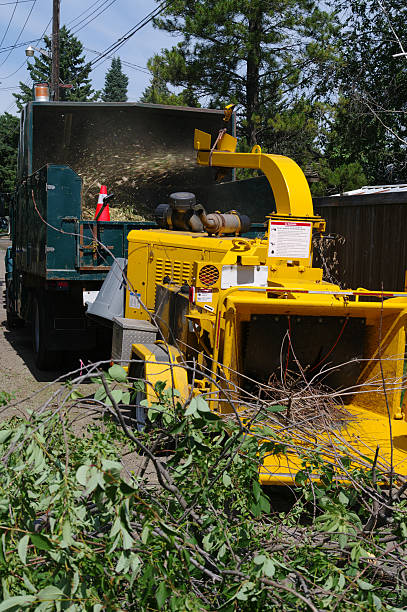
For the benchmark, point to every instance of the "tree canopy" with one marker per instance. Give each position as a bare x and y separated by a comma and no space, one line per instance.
74,70
321,87
369,120
158,91
116,83
265,55
9,134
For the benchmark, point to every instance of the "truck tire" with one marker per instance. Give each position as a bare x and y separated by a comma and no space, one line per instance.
13,321
44,358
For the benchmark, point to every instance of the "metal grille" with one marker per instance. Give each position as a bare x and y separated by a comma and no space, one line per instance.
180,272
209,275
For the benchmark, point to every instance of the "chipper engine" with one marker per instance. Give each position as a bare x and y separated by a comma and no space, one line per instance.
255,312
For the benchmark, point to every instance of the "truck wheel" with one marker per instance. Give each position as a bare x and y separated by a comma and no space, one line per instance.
13,321
44,358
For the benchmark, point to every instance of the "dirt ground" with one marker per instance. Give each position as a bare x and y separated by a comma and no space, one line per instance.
18,374
20,377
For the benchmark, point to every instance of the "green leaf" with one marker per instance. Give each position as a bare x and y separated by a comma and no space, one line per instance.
113,467
365,586
159,387
116,394
121,564
29,585
15,603
178,429
221,551
276,408
227,481
100,394
40,541
207,542
191,409
127,539
269,568
67,534
5,434
145,534
343,540
117,373
259,559
256,490
95,480
115,527
76,395
343,499
201,404
75,583
82,474
50,593
377,602
245,590
126,397
264,504
210,416
301,477
22,548
161,594
328,584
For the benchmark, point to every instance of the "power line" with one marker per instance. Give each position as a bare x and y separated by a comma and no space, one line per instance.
25,61
78,29
11,47
121,41
124,62
83,12
9,23
15,2
21,31
143,22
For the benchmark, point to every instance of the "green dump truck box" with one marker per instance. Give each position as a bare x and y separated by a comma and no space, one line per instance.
66,151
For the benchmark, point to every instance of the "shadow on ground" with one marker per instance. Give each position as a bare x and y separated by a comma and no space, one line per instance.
20,341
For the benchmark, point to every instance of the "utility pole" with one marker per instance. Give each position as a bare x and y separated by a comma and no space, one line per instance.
55,50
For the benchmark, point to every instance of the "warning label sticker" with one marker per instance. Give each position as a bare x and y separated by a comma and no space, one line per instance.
203,295
289,239
134,300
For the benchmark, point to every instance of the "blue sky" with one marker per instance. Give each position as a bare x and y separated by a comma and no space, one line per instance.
98,34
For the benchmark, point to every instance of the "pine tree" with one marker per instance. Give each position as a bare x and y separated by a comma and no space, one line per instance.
264,55
116,83
158,91
73,70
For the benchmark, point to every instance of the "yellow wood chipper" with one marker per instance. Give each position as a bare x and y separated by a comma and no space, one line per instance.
253,309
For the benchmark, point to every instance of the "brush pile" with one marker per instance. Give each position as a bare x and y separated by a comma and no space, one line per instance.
101,520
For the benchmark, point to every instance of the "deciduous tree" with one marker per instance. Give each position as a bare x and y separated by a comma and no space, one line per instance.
9,133
370,119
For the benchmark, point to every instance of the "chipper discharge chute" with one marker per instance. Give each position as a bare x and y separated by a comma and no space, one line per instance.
258,317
